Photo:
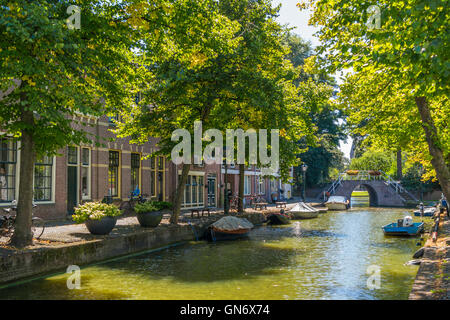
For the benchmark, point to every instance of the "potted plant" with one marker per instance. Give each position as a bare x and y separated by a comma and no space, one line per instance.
150,213
99,218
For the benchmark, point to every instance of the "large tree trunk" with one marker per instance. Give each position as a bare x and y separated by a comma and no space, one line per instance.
437,156
22,228
179,193
399,164
241,188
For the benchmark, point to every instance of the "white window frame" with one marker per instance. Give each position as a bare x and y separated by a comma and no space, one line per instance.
200,200
52,198
89,167
247,185
18,157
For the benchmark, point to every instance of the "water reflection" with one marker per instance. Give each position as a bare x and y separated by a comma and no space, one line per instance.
323,258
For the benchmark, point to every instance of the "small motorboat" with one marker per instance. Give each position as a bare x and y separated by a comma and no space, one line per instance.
404,227
337,203
427,212
228,228
303,211
278,218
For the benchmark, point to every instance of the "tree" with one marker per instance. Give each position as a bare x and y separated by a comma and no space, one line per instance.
230,73
264,94
315,89
373,160
50,73
408,51
186,78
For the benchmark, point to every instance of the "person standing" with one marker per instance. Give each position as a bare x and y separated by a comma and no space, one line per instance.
444,204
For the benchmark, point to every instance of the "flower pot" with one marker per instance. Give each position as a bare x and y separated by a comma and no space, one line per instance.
101,227
149,219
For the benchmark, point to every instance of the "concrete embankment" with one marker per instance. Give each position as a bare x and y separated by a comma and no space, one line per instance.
73,245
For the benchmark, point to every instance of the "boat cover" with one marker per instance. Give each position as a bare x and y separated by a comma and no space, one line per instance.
230,223
339,199
303,207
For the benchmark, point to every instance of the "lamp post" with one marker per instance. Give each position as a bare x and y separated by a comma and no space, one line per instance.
420,182
304,168
225,197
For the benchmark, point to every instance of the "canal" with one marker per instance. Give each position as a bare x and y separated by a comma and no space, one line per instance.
323,258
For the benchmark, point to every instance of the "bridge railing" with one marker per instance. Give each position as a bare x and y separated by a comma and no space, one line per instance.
336,183
369,175
397,186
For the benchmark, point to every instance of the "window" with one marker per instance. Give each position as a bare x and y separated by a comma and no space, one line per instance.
193,193
200,189
187,193
113,173
8,160
157,177
43,179
72,155
86,173
194,189
247,185
261,185
273,186
135,171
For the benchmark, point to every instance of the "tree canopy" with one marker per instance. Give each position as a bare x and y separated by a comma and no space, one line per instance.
400,72
50,73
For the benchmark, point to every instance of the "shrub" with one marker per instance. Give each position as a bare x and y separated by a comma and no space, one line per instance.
95,211
151,206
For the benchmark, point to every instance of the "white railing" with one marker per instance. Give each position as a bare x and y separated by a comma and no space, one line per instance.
335,184
368,175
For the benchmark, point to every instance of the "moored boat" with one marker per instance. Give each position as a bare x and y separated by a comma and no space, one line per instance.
403,227
278,218
337,203
228,228
427,212
303,211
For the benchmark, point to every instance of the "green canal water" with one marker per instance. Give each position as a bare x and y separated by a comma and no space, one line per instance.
323,258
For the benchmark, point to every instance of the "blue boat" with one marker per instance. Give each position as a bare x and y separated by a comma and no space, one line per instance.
404,227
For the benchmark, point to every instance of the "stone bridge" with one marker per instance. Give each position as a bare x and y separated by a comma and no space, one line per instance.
383,191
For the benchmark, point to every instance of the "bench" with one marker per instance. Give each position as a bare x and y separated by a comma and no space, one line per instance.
260,205
203,211
280,204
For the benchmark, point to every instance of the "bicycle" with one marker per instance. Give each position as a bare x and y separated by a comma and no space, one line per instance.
135,198
234,202
255,199
8,220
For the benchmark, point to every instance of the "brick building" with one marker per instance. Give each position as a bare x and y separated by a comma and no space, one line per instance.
87,172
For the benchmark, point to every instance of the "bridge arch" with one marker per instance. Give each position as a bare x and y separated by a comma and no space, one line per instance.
373,195
383,191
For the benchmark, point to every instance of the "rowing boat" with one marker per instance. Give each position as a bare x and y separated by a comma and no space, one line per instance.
303,211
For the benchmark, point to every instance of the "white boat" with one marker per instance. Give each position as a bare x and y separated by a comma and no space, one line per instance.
303,211
427,212
337,203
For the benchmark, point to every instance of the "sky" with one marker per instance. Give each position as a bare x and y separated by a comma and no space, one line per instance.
290,14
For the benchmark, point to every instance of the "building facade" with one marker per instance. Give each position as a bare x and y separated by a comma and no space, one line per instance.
111,166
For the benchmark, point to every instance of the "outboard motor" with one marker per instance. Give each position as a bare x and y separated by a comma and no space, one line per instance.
408,221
